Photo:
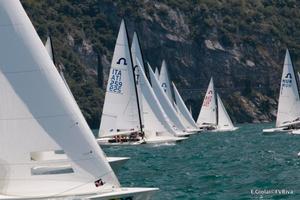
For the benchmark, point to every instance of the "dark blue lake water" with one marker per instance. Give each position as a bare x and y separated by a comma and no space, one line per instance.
224,166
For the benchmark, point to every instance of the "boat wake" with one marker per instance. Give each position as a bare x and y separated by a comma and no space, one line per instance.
162,144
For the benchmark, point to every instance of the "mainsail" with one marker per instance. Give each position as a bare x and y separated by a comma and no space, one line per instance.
37,114
288,104
120,110
208,112
154,118
165,81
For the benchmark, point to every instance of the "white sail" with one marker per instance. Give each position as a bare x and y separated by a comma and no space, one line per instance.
156,73
165,81
184,112
38,114
165,102
208,112
288,104
137,54
48,46
154,118
224,121
120,110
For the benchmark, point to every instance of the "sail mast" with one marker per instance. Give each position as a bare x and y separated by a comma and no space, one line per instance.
135,85
52,49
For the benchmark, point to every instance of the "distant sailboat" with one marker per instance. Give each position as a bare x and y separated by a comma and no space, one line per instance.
207,118
288,112
224,121
184,112
121,121
182,123
115,162
167,105
37,102
213,115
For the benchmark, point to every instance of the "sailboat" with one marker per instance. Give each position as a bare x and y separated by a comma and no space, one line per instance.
213,115
184,113
224,121
167,105
157,126
288,111
38,115
207,118
115,162
121,121
170,107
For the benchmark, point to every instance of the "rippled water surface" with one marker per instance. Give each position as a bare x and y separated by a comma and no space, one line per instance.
222,166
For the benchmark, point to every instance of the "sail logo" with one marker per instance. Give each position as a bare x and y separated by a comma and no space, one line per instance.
287,81
120,61
164,86
208,98
116,83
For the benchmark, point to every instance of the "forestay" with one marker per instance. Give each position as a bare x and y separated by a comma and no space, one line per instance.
208,112
288,104
120,111
37,114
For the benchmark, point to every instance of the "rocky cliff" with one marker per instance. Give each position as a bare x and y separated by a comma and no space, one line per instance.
240,43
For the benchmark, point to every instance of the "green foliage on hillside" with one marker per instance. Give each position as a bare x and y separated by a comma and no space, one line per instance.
259,30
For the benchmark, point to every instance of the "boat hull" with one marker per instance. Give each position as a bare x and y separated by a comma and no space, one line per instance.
117,194
152,140
276,130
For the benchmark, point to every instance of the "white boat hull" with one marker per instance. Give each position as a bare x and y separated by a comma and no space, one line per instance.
226,129
295,132
277,130
162,140
116,194
152,140
105,142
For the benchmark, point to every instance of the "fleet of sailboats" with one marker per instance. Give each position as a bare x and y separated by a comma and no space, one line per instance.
60,156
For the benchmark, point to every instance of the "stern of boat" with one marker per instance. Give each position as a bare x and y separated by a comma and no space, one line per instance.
127,194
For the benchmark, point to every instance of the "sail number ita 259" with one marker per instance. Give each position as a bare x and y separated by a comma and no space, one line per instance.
115,84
